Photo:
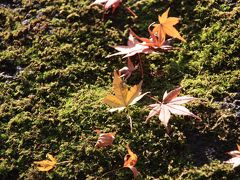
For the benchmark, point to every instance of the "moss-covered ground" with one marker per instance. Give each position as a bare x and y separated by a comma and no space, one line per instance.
54,75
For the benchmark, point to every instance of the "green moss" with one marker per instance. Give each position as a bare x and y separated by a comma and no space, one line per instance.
54,75
213,86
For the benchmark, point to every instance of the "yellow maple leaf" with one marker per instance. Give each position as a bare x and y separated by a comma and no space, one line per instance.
46,165
166,27
123,96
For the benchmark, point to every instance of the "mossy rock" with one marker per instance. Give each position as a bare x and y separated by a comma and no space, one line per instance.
54,74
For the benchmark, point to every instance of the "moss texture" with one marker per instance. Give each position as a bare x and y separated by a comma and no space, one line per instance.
54,75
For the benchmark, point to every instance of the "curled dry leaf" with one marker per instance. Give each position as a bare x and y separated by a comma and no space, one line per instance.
166,27
127,70
133,47
130,161
235,160
104,139
108,4
122,97
171,104
46,165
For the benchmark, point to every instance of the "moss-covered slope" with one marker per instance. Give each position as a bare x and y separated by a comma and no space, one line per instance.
54,75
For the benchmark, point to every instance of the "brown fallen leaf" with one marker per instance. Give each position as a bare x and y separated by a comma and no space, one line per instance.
104,139
46,165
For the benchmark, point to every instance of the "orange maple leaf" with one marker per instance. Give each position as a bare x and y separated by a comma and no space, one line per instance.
166,27
133,47
154,41
130,161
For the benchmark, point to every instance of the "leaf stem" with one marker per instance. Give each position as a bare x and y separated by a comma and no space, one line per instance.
154,99
130,11
141,65
130,119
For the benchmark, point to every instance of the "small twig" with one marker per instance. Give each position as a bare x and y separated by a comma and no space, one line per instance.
130,11
7,76
140,65
153,98
219,121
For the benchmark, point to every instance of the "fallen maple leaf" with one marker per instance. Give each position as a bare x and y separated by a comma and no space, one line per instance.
46,165
133,47
123,97
166,26
235,160
104,139
154,42
130,161
108,4
171,103
127,70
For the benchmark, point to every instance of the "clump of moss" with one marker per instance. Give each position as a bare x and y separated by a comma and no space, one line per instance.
54,75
